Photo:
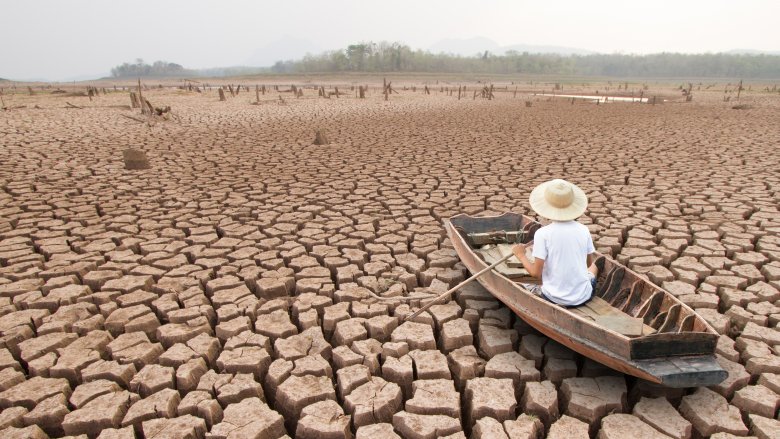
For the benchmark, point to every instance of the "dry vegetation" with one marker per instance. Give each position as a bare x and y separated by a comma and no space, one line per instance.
211,267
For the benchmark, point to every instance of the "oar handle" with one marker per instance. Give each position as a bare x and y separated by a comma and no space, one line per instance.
457,287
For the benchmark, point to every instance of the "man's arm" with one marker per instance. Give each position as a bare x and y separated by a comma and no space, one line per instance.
535,268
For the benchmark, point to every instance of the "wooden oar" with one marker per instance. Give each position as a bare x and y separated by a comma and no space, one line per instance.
457,287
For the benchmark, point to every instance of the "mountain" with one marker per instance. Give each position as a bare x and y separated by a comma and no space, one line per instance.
477,45
283,49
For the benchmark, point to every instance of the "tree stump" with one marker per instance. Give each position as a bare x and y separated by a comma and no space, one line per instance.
135,159
134,100
320,138
221,94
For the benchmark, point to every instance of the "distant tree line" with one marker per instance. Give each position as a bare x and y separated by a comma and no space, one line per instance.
397,57
140,68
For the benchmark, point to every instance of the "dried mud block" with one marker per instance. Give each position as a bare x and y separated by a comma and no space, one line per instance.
86,392
298,392
413,426
373,402
351,377
568,428
151,379
493,341
710,413
275,325
416,335
430,365
251,359
400,371
434,397
105,411
376,431
312,365
133,348
757,400
541,399
531,347
737,377
10,377
344,356
189,373
465,364
513,366
488,428
30,432
234,388
135,159
661,415
29,393
349,331
394,349
48,414
619,425
39,346
323,420
770,380
524,427
558,369
187,426
381,327
278,372
233,327
249,418
590,399
489,397
117,433
201,404
455,334
159,405
764,428
12,417
309,342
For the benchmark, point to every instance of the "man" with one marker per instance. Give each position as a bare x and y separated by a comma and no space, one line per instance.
563,249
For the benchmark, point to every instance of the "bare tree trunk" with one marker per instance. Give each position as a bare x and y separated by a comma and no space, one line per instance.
141,97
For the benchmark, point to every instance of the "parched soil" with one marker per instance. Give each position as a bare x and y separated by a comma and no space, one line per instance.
229,286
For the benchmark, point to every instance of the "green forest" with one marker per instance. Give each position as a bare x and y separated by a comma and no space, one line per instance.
140,68
397,57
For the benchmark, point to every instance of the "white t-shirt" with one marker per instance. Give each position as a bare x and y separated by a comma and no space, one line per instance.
564,247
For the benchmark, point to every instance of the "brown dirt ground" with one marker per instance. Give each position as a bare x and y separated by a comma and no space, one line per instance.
240,259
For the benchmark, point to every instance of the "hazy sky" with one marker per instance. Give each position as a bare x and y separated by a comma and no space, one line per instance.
60,39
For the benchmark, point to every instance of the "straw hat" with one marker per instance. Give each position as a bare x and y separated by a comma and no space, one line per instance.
558,200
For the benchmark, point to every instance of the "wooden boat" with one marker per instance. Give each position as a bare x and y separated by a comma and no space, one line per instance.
630,324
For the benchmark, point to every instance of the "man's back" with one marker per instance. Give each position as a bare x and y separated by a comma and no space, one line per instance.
564,247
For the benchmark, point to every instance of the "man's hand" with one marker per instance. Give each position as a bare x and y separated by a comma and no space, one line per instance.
535,268
520,250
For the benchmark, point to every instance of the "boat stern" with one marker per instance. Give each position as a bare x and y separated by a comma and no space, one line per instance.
687,371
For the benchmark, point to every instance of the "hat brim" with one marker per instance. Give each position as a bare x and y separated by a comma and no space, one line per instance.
540,205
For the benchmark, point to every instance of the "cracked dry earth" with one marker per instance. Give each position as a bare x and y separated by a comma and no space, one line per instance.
228,291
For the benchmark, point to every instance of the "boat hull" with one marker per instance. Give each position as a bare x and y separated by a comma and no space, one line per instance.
606,347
